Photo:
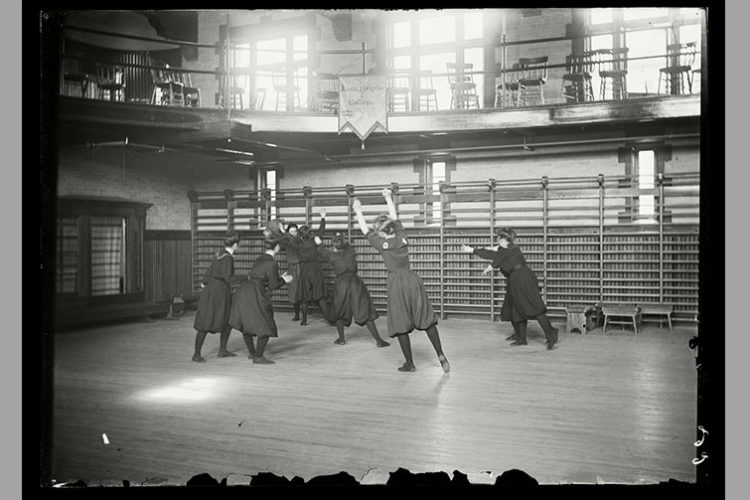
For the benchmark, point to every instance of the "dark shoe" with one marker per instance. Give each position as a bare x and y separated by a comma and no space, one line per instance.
226,354
512,337
383,343
339,341
444,363
303,323
263,361
407,368
551,345
296,317
519,342
198,359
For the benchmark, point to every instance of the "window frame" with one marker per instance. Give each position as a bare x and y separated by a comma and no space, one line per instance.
619,29
415,51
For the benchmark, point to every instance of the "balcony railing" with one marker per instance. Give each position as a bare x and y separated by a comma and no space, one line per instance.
589,76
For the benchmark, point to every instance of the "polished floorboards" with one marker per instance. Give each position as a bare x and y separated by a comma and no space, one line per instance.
614,407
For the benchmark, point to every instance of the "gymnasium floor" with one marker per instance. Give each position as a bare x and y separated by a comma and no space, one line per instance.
600,408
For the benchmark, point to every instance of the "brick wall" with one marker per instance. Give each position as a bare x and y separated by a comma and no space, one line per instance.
533,165
165,183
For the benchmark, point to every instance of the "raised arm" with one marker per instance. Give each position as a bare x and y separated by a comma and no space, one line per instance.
322,225
357,207
322,251
388,195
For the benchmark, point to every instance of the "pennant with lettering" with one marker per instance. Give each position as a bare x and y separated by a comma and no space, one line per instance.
362,104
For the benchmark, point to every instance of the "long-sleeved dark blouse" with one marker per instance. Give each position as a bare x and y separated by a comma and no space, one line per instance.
266,270
506,259
305,250
344,261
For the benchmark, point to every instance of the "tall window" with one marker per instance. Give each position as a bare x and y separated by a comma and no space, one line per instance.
428,39
107,255
268,179
436,177
646,32
279,66
432,173
645,166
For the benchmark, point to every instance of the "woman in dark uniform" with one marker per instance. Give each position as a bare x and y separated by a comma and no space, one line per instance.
252,312
311,284
409,307
351,299
292,259
215,301
522,298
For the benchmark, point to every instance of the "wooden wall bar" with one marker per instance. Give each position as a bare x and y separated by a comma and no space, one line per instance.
589,240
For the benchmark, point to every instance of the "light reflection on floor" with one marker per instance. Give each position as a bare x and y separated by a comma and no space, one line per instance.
190,390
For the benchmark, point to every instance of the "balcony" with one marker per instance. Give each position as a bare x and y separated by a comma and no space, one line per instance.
151,96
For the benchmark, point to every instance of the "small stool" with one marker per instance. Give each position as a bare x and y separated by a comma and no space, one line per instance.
661,310
576,319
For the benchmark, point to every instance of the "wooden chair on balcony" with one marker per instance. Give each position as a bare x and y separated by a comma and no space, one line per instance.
191,95
677,74
260,99
533,78
426,94
399,90
326,96
577,83
463,89
238,85
287,96
110,82
168,90
613,72
506,92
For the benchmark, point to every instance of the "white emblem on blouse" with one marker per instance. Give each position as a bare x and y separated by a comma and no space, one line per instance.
385,245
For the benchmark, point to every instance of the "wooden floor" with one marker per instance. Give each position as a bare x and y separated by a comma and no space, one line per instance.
611,407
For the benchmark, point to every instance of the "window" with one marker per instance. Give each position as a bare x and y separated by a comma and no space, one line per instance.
645,32
278,65
646,179
428,39
107,255
436,177
100,249
268,179
642,165
433,173
602,16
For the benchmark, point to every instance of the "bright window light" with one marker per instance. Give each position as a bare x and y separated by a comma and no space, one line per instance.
437,30
631,14
438,176
401,34
601,16
646,180
473,25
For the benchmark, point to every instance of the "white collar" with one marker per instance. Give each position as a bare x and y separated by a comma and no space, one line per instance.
230,250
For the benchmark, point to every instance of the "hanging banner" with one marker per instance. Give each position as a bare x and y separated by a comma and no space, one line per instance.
362,104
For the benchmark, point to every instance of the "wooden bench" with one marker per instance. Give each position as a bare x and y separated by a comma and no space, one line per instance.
619,314
661,310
